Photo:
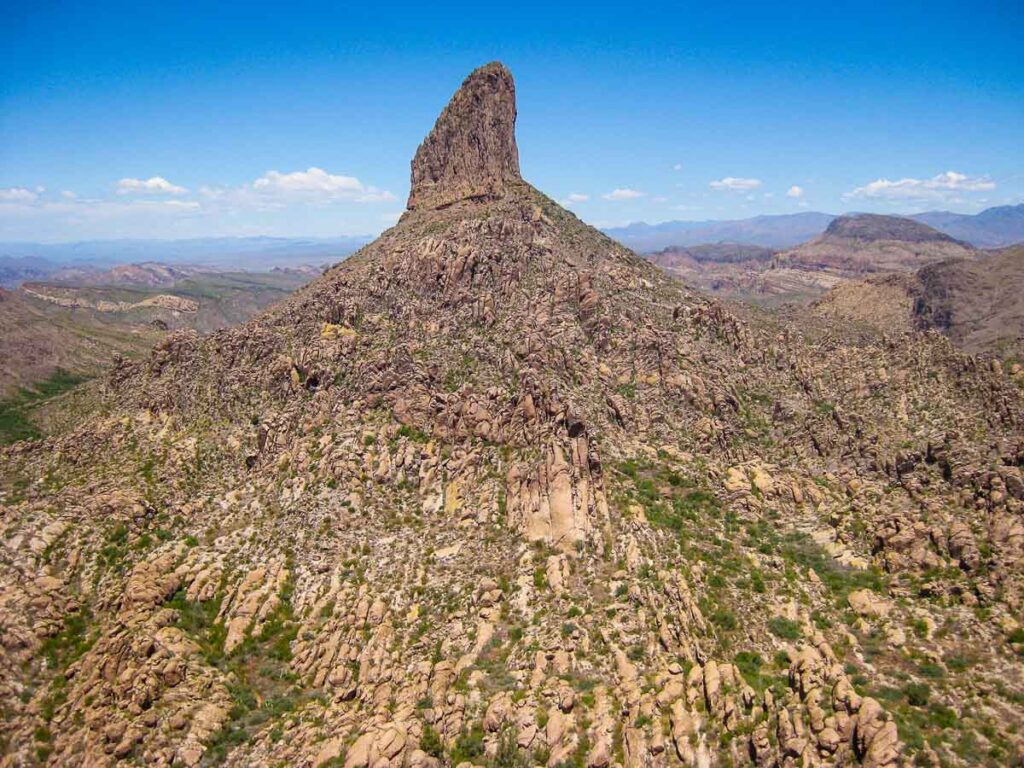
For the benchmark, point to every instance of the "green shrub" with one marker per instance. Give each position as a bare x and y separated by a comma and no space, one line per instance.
942,716
917,693
785,628
468,746
430,742
725,619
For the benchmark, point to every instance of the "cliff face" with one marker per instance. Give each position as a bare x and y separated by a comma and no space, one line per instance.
496,491
471,152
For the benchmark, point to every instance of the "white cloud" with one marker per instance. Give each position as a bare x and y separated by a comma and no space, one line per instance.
156,185
574,197
677,167
184,205
623,194
67,194
735,184
943,186
17,195
318,183
795,191
660,199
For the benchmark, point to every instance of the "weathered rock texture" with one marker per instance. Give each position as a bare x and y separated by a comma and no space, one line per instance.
496,491
471,152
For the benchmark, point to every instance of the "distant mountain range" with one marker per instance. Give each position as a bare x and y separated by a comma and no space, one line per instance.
781,231
19,261
992,228
850,248
33,261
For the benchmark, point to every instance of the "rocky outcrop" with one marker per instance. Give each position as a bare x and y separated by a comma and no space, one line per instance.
471,152
560,502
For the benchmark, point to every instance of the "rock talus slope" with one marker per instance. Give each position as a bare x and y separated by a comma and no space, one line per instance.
496,491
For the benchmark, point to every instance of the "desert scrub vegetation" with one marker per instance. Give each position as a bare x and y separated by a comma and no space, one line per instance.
73,640
15,411
60,651
261,687
803,554
669,500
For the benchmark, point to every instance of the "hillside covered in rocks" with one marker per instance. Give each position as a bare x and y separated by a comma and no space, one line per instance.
977,303
495,491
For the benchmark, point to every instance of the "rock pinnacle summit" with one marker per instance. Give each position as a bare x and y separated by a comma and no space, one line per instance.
471,152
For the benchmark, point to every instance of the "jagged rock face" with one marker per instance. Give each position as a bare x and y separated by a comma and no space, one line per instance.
495,491
471,152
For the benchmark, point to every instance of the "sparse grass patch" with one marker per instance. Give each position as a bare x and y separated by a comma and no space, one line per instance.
15,421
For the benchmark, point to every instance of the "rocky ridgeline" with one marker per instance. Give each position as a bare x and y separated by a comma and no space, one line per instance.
495,491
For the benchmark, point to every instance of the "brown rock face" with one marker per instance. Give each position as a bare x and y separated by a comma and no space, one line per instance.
471,152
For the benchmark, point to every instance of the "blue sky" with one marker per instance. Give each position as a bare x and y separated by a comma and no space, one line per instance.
195,119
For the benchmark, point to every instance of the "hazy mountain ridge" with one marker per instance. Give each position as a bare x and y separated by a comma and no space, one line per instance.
256,253
993,227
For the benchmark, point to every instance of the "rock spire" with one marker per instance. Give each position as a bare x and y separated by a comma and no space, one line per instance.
471,151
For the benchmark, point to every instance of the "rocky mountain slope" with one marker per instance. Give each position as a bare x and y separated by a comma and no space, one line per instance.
36,340
851,248
723,269
81,322
870,243
496,491
978,304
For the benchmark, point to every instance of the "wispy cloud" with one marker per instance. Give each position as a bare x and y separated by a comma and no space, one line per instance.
735,184
623,194
795,191
574,197
677,167
944,186
17,195
155,185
